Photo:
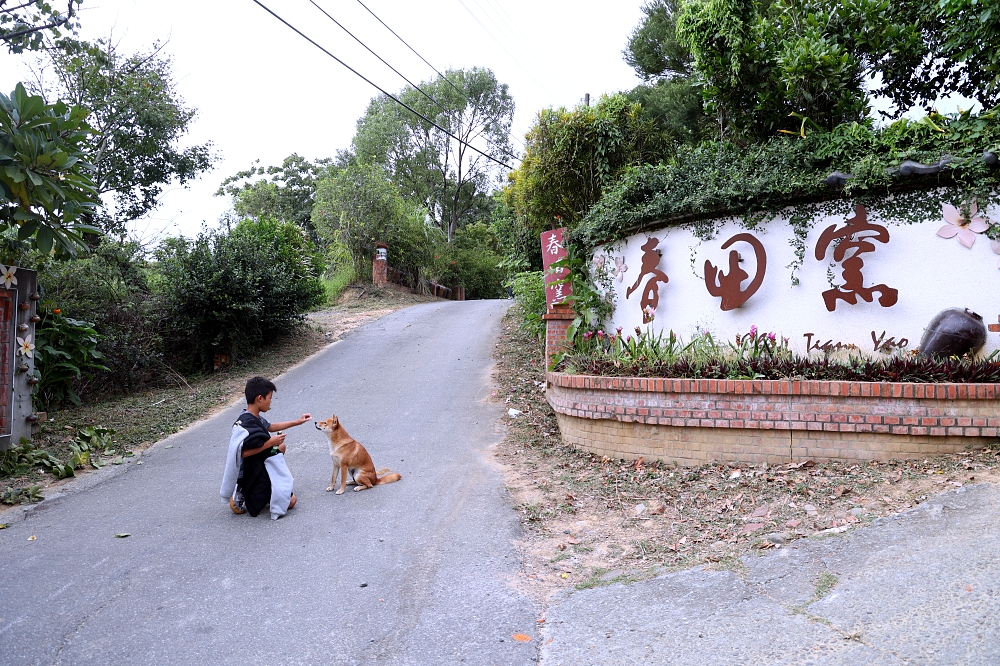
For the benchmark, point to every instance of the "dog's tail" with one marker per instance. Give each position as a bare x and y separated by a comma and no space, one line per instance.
388,478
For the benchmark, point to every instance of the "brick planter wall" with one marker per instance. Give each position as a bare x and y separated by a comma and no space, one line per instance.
691,421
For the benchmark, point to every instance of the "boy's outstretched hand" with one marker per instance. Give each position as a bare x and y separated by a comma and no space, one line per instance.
305,418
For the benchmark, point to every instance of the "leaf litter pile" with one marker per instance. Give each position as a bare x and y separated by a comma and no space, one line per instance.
590,520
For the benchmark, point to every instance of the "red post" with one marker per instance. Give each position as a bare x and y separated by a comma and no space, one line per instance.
380,266
557,321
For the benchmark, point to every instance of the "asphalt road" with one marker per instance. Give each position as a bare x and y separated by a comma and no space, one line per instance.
422,571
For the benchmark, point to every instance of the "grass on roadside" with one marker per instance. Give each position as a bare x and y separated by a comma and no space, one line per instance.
335,282
140,419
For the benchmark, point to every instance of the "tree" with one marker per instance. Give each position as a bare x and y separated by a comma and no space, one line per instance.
138,119
573,156
285,192
446,175
25,24
762,62
653,50
472,261
46,183
359,206
928,49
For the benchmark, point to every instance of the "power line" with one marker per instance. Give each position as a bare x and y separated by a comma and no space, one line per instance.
436,71
511,55
457,89
414,85
515,31
377,87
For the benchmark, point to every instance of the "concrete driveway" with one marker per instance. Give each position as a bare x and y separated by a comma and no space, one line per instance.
416,572
921,587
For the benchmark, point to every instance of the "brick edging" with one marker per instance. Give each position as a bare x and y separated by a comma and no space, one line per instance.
810,387
923,410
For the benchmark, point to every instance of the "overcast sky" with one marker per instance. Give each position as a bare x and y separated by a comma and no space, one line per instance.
262,92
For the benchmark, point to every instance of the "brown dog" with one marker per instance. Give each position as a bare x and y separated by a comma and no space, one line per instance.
351,459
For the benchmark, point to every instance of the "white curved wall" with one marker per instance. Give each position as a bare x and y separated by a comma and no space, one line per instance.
930,273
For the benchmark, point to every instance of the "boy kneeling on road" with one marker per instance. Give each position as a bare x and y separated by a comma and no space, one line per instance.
256,474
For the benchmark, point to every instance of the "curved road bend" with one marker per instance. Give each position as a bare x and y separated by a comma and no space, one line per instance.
195,584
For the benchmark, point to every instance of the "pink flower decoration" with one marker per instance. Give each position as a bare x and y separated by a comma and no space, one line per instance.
965,229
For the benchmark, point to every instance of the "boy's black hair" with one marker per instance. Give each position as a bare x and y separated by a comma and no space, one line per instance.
258,386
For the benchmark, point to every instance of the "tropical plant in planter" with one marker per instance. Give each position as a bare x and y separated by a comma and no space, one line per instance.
756,355
66,351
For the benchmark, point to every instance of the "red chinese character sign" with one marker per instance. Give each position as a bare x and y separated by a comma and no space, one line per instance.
554,249
854,239
651,293
730,285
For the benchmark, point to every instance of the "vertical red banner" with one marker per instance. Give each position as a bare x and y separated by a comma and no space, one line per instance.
554,249
6,354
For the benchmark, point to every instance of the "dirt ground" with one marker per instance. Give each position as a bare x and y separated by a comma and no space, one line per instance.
141,419
590,521
359,305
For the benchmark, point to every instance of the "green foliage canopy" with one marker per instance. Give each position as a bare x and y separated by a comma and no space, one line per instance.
472,261
573,155
285,192
46,183
26,25
653,49
359,206
137,119
448,178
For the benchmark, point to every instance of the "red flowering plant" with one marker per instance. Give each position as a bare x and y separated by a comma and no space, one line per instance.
756,344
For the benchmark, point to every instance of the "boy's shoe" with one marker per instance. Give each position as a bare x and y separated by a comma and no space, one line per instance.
236,504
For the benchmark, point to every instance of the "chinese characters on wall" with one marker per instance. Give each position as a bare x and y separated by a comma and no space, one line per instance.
651,293
554,249
854,240
729,285
850,241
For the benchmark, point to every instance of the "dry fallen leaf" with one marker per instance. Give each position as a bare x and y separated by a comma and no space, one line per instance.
522,638
31,538
752,527
122,535
793,523
760,511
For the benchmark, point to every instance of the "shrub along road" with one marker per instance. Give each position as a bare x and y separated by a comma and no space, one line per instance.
419,571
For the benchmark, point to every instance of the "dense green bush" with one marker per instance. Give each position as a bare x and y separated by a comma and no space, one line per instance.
109,288
472,261
719,178
529,292
65,352
229,292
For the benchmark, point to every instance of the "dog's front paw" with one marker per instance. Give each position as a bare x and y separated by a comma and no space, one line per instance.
329,488
340,492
